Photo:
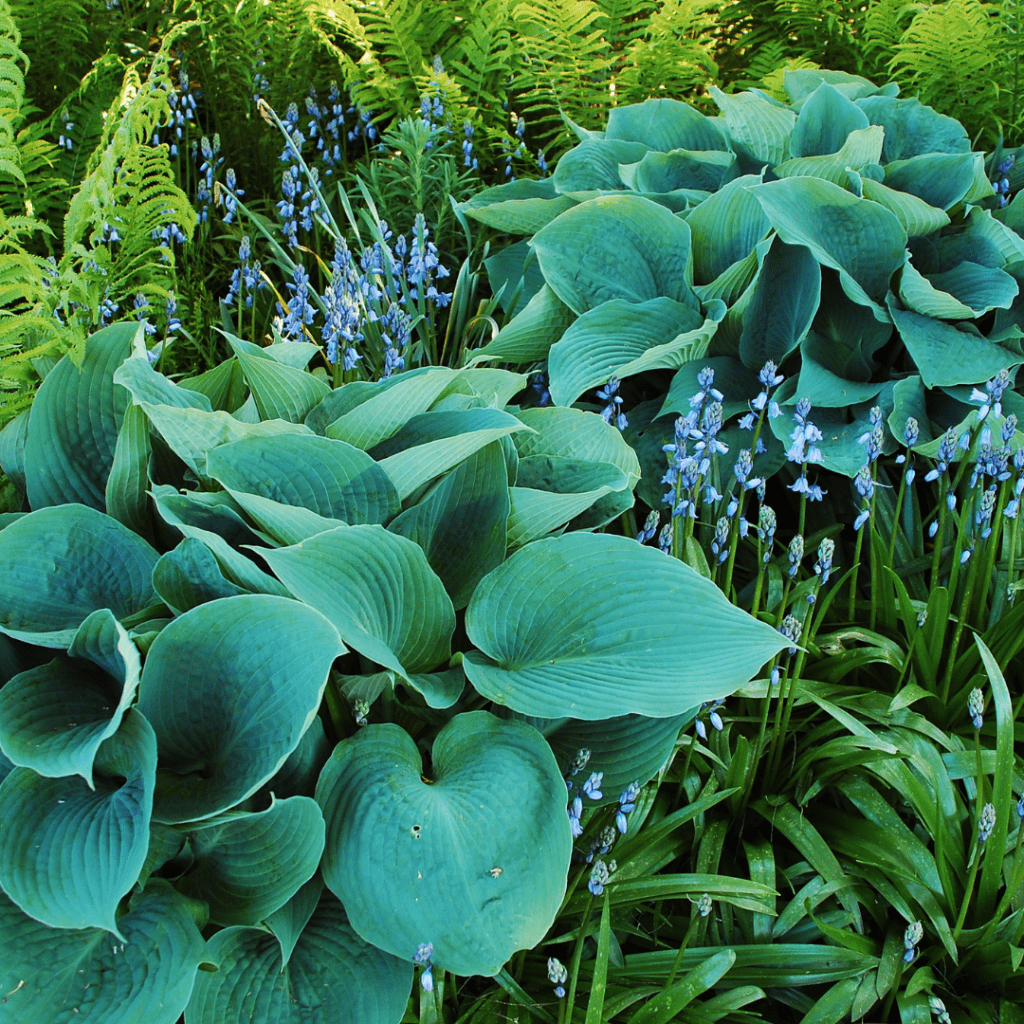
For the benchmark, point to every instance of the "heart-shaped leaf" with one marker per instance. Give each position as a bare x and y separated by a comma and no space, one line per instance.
74,423
725,228
52,975
60,564
594,626
247,865
331,977
189,575
604,249
68,852
53,718
379,591
448,860
230,687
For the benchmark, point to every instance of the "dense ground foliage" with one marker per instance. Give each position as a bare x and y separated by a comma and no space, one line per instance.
511,511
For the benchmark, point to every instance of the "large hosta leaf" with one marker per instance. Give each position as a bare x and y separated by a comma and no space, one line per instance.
53,718
50,975
230,687
860,239
189,575
379,591
461,522
249,865
616,247
418,859
664,125
759,128
58,565
74,422
725,228
334,479
330,977
593,626
68,852
280,391
520,207
608,337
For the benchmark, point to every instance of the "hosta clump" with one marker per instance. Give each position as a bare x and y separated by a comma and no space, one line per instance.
848,233
293,679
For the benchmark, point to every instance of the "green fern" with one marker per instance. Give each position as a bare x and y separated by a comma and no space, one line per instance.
55,37
950,55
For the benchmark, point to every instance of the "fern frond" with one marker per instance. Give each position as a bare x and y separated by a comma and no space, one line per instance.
54,36
949,53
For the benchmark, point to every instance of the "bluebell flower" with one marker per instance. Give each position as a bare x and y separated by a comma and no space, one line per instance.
796,554
991,397
627,804
231,197
704,905
721,538
665,537
791,629
864,482
938,1010
539,384
141,308
542,164
558,976
766,523
286,207
301,312
650,527
171,311
579,761
64,140
986,822
423,956
944,456
823,567
804,450
602,843
599,876
1001,184
592,787
575,811
612,411
912,936
975,707
776,675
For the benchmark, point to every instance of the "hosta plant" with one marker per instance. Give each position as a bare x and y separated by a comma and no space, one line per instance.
294,679
850,236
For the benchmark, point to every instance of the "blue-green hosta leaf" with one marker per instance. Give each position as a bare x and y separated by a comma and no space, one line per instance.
230,687
224,385
733,282
189,575
860,151
280,391
295,354
942,354
282,524
298,775
528,336
515,276
50,975
288,922
425,860
627,749
536,513
185,511
610,336
909,397
439,689
13,439
521,207
493,386
68,852
912,128
127,484
147,386
60,564
432,443
825,122
940,179
664,125
1007,242
331,977
860,239
379,591
726,228
739,386
784,303
385,414
461,522
191,433
682,348
575,434
593,165
801,84
916,216
53,718
681,168
825,374
247,865
978,288
74,422
759,128
553,642
616,247
331,478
